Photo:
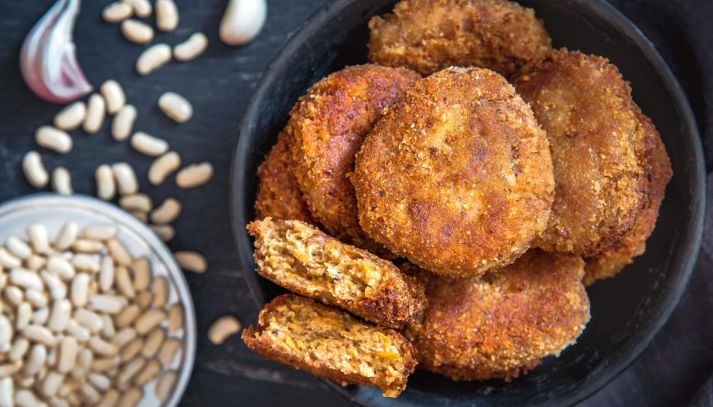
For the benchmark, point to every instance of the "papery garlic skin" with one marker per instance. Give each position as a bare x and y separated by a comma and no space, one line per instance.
243,20
48,60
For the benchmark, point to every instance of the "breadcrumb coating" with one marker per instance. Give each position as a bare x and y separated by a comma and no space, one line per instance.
457,176
429,35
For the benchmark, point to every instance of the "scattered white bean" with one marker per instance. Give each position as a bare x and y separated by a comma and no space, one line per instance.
191,261
166,15
175,106
164,232
194,175
117,12
34,170
136,202
125,178
53,139
96,111
222,328
148,145
142,8
106,188
71,116
113,94
62,181
192,48
243,20
163,166
137,31
153,58
123,122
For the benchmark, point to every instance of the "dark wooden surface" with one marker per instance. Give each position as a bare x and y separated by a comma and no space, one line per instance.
219,85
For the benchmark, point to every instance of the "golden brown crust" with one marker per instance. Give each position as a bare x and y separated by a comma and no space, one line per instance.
306,261
599,149
327,127
457,176
429,35
329,343
278,195
502,324
609,262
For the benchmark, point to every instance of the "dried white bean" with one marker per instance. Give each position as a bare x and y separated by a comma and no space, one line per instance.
96,111
113,94
57,289
148,144
109,304
99,232
137,31
191,261
243,20
99,381
160,291
123,123
108,329
40,316
148,320
34,170
106,188
166,15
62,181
116,12
93,322
51,384
6,334
85,357
26,279
144,299
35,263
153,343
164,232
142,8
118,252
125,178
110,398
18,350
18,247
123,337
175,317
89,393
71,116
86,262
36,359
168,350
26,398
60,315
175,106
127,315
143,217
37,298
68,350
8,260
136,202
153,58
165,383
79,289
131,397
77,331
192,48
40,334
163,166
106,274
61,267
132,349
105,364
169,210
66,236
129,371
222,328
102,347
194,175
7,391
14,295
23,316
124,283
87,246
8,369
142,273
148,373
53,139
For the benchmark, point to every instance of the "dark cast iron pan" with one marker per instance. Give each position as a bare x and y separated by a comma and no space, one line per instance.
626,311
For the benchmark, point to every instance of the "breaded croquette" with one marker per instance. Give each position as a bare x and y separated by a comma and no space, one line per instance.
327,127
600,150
457,176
502,324
278,195
429,35
609,262
308,262
330,343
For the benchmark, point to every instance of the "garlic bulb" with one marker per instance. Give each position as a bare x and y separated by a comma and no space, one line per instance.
242,21
48,61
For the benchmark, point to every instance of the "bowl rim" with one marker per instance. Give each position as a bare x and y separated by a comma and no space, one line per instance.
619,22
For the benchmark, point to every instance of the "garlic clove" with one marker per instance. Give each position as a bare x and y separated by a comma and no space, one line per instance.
242,21
48,60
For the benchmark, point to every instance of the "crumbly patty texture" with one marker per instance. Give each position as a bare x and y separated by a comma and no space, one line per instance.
278,195
327,126
306,261
609,262
502,324
457,176
600,149
429,35
330,343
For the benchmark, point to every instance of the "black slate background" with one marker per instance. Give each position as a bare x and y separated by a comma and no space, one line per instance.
673,371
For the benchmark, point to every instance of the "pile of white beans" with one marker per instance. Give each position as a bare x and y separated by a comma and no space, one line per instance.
82,322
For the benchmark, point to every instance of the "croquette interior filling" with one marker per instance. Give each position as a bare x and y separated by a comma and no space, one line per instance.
340,271
321,336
